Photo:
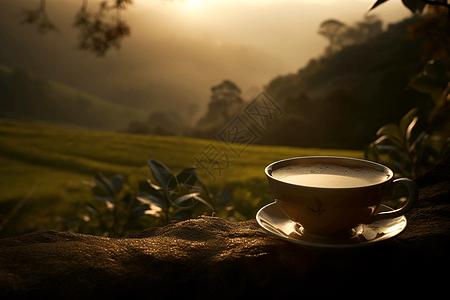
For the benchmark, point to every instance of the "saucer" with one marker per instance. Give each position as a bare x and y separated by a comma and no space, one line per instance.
273,220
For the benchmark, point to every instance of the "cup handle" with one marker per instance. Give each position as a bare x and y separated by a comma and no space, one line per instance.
412,200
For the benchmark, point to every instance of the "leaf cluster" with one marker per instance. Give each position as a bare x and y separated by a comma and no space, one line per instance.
40,17
413,5
123,206
341,35
97,33
415,145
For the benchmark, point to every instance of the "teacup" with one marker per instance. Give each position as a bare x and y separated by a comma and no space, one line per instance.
328,196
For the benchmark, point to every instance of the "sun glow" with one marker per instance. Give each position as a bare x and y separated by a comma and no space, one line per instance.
194,2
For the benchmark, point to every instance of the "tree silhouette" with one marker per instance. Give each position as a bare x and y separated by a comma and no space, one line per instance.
225,101
435,28
332,30
99,31
97,34
418,5
38,16
341,35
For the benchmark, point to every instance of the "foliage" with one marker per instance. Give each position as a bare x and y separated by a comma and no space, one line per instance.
98,33
434,80
340,99
341,35
368,79
412,5
408,150
416,145
39,16
225,103
123,205
434,28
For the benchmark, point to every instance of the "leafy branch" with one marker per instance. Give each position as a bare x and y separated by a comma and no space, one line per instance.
417,5
124,206
39,15
415,145
99,31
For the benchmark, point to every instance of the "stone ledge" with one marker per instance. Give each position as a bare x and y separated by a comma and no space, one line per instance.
209,257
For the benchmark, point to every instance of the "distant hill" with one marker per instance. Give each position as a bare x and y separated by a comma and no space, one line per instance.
27,96
341,99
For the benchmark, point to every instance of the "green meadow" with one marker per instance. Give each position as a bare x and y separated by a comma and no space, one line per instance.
45,171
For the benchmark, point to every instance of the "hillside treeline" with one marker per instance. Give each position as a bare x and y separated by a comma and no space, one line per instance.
338,100
342,98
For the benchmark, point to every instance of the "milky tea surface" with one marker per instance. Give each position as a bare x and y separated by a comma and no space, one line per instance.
329,176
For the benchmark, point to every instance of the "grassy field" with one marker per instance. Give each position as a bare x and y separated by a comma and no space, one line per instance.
46,168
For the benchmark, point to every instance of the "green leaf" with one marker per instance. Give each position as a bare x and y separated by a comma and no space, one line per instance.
156,193
225,198
141,210
371,153
409,130
204,187
392,131
92,210
109,201
404,122
377,3
181,201
424,84
400,162
161,173
192,197
386,143
445,148
436,69
105,183
127,198
416,142
436,109
117,182
204,202
105,198
152,201
187,177
436,142
153,186
432,150
414,5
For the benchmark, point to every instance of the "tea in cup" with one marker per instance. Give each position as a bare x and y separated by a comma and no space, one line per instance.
328,196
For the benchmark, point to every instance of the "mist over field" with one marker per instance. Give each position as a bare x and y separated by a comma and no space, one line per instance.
160,66
176,52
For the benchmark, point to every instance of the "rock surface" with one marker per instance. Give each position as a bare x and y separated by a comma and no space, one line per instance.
209,257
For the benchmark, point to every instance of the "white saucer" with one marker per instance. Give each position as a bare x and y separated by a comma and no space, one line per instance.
273,220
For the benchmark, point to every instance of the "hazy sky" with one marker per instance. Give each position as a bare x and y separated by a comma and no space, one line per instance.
283,28
178,50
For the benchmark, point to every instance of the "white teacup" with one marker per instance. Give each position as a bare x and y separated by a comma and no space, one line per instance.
329,195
